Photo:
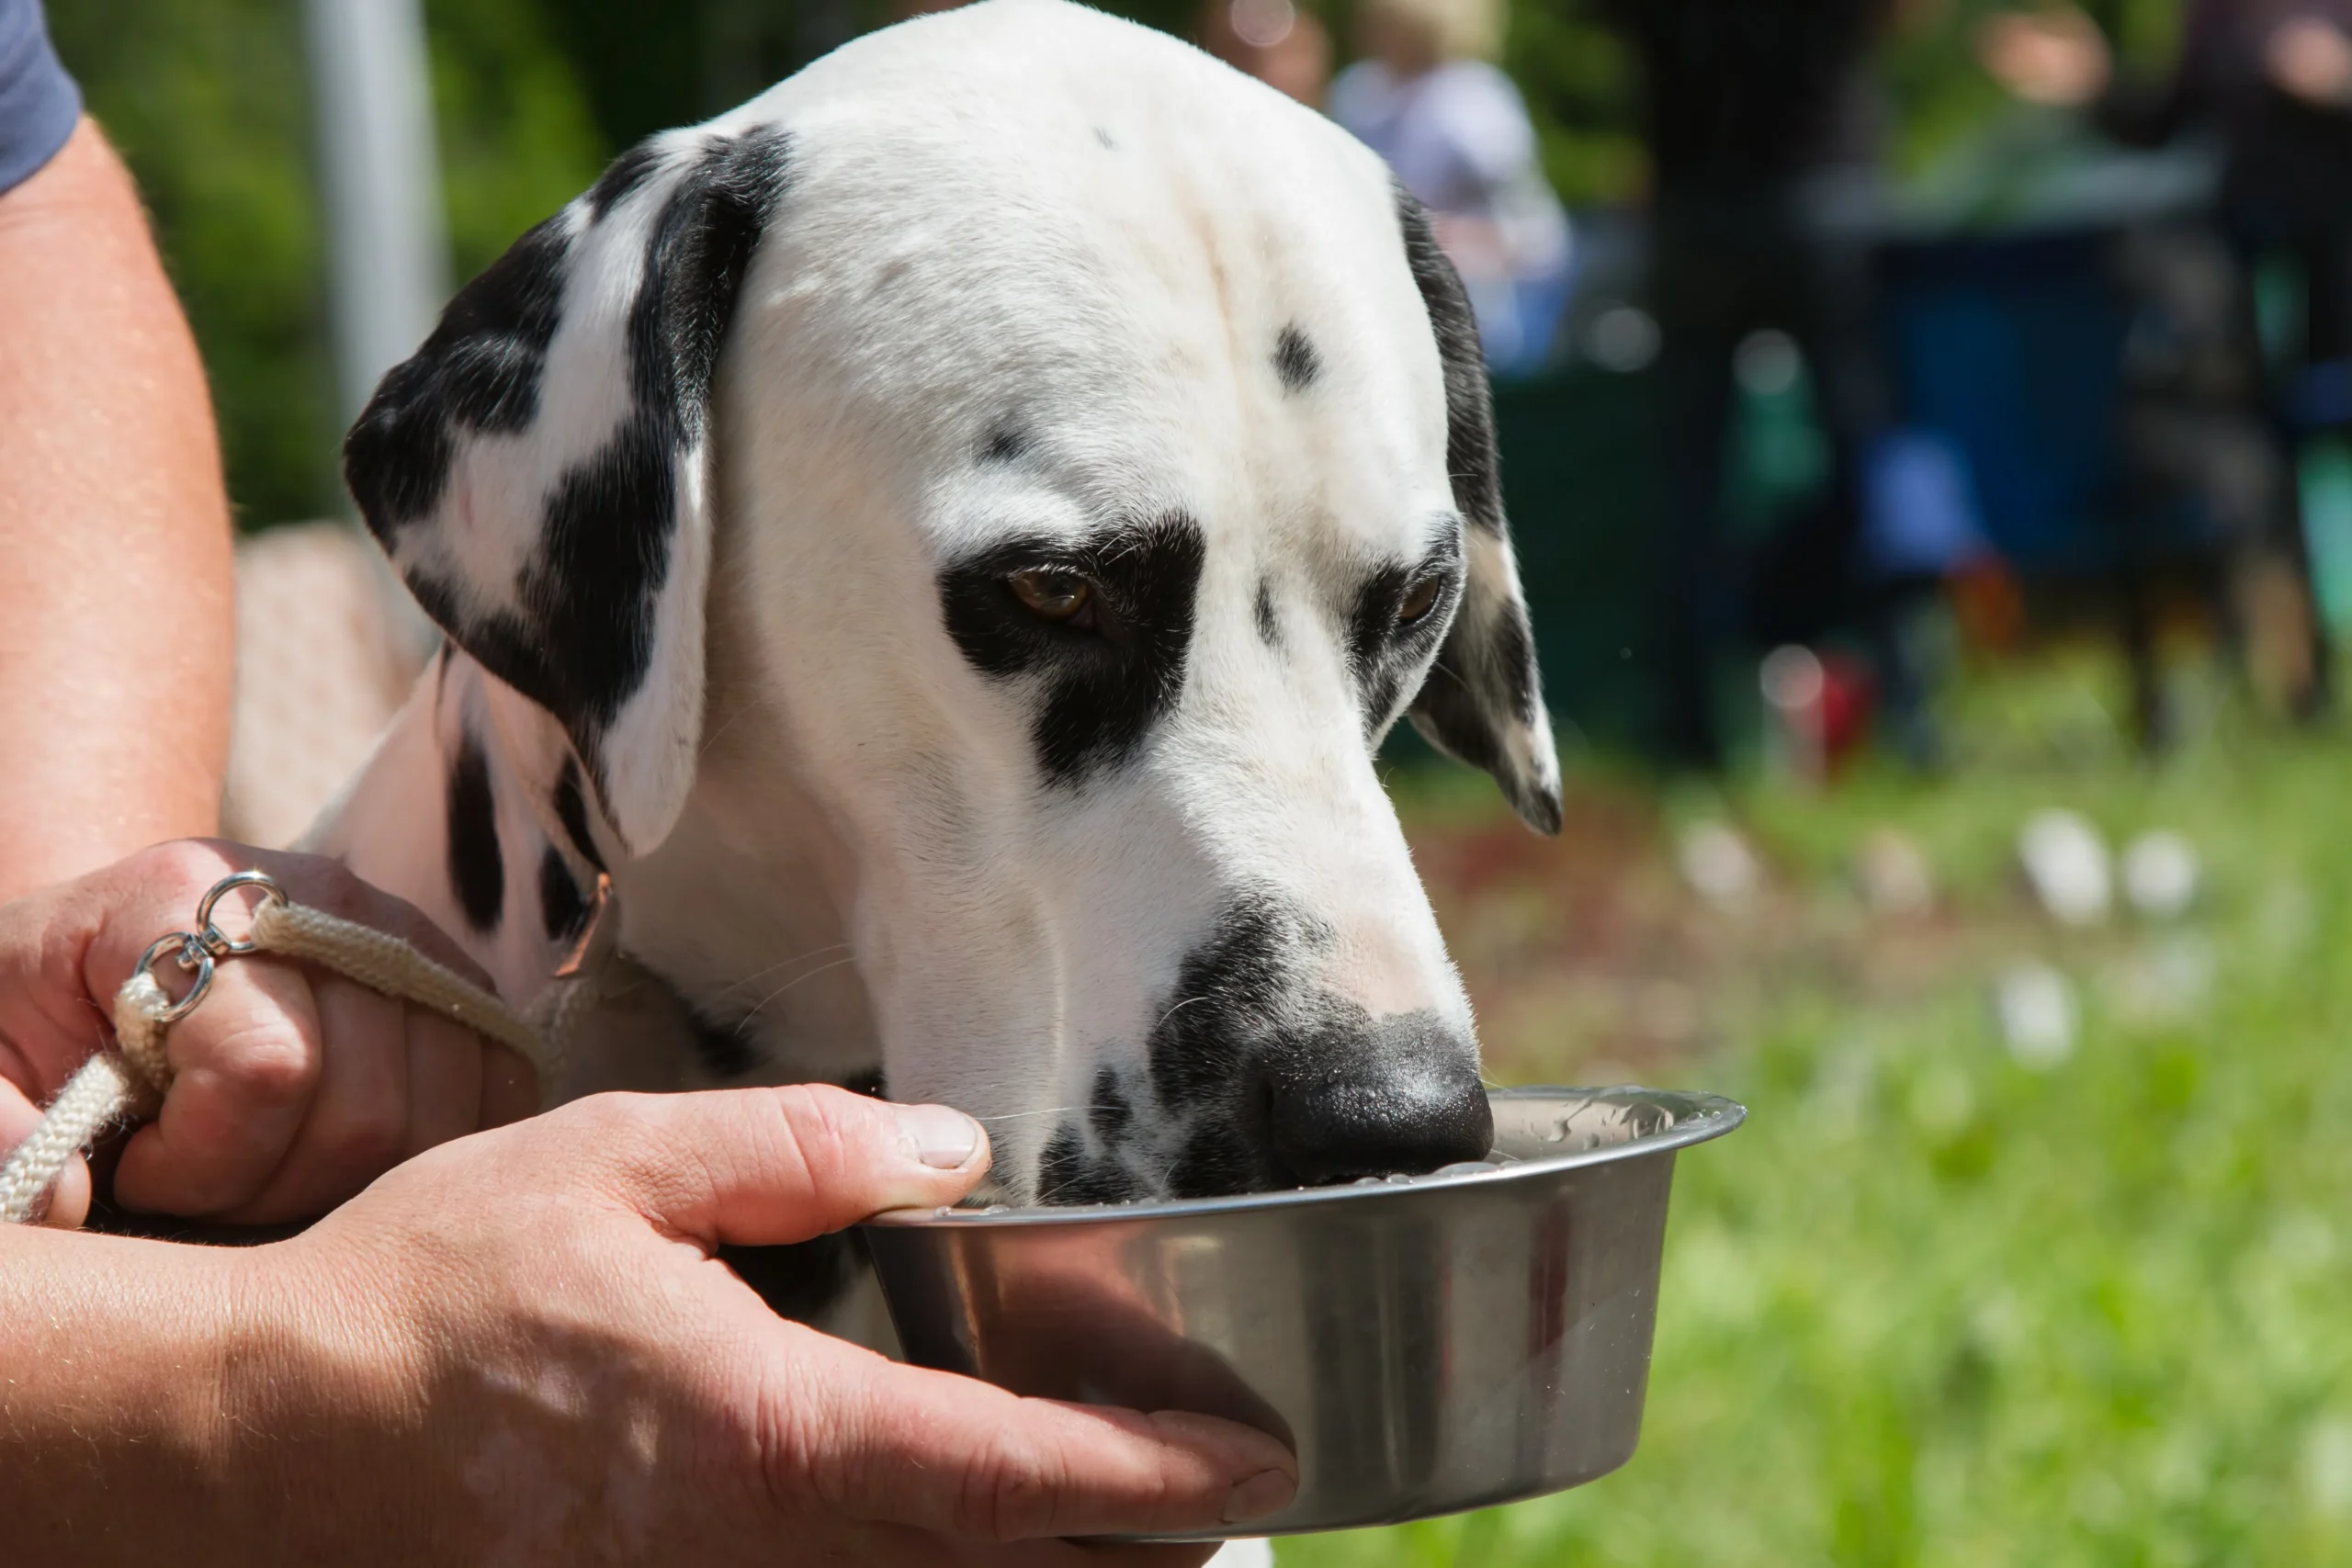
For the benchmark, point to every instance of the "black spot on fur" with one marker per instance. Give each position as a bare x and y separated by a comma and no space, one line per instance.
1484,684
1283,1083
581,638
1269,629
477,869
563,911
1067,1173
724,1049
1006,445
572,811
1295,360
1102,684
1105,136
478,372
1230,990
621,176
1469,402
1110,1114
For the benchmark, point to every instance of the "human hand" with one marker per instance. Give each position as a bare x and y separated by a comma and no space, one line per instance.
293,1089
2309,57
2058,58
523,1345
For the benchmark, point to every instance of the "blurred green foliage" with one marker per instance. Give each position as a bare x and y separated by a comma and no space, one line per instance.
207,98
1941,1302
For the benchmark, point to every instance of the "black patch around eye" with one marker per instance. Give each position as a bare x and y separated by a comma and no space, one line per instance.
1005,446
572,811
1101,686
724,1049
480,371
873,1084
1067,1173
1295,360
1270,631
477,869
562,910
1382,650
1470,454
621,176
1372,622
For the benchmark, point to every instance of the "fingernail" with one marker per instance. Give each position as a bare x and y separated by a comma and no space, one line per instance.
1268,1492
942,1137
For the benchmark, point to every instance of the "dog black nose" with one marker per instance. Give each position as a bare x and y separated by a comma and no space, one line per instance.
1398,1095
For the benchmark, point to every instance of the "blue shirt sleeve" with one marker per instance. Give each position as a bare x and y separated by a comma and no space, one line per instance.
39,105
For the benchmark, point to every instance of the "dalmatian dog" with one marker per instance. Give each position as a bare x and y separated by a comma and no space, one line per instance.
947,539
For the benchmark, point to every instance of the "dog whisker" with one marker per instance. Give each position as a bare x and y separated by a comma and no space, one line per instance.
1025,1115
746,1021
737,985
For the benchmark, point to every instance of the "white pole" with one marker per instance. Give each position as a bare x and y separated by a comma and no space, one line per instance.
381,185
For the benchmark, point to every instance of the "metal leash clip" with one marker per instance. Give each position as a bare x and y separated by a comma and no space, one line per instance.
200,949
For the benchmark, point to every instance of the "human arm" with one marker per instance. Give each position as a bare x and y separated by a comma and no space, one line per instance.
115,605
523,1344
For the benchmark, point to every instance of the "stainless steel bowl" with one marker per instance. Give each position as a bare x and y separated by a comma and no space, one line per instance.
1424,1345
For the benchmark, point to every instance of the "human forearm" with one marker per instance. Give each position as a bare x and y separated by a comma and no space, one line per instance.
115,621
112,1359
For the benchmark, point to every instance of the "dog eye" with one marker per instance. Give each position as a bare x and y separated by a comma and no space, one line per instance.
1419,600
1052,595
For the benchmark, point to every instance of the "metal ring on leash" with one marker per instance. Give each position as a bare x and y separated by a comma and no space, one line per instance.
192,956
213,938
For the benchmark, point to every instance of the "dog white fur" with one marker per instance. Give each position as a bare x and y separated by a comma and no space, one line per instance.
727,488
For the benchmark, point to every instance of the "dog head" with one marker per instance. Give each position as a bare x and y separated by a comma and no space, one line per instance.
1003,484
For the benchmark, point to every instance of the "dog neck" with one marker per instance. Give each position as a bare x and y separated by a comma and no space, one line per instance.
736,967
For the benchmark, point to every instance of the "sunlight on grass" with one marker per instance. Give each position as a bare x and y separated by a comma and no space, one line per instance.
1935,1305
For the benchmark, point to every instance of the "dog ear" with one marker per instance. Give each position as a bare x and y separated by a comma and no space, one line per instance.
1483,699
539,471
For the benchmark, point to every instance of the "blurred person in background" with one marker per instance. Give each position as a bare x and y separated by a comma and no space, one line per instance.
1273,40
1429,100
2274,79
1763,140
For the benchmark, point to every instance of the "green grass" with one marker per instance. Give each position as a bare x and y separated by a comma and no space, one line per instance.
1932,1306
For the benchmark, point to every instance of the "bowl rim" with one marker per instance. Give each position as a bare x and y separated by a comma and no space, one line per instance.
1698,1118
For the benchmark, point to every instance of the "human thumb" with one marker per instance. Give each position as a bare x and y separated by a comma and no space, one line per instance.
770,1166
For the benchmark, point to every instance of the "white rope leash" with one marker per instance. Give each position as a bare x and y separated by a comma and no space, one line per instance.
131,1081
